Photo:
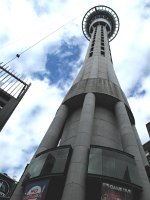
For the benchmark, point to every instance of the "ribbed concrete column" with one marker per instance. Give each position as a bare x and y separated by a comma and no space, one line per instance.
50,140
145,161
75,182
130,146
51,137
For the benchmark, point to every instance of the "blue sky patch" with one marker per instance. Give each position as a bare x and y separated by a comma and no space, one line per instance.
60,63
136,90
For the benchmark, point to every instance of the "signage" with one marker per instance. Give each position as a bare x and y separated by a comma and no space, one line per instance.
115,192
36,190
4,188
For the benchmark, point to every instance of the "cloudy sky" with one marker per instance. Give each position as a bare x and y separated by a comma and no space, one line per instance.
52,65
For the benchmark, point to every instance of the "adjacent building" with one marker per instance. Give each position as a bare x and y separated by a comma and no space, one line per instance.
12,90
7,186
146,146
92,149
148,127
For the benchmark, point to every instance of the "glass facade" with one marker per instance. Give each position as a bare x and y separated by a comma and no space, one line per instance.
49,163
111,163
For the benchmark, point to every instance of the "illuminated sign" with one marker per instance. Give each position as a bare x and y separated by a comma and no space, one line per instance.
115,192
36,190
4,188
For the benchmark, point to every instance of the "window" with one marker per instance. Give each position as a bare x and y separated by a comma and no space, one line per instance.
111,163
90,54
110,54
102,53
52,162
102,42
93,43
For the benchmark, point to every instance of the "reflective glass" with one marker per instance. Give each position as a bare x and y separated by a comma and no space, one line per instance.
114,164
61,159
36,167
49,163
95,161
134,173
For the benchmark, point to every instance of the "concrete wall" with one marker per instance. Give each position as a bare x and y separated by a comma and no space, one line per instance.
105,130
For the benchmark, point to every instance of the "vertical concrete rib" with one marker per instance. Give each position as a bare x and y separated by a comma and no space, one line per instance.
50,140
130,146
52,135
145,161
75,182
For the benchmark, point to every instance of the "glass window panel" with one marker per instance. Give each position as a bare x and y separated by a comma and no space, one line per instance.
115,164
134,173
108,165
49,163
121,167
95,161
36,166
61,159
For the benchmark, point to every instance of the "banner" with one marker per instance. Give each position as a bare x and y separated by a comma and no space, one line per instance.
114,192
36,190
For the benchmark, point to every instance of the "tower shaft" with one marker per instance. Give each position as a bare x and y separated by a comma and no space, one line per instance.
95,120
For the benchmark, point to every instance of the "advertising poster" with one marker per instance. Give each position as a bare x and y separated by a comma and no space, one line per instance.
36,190
115,192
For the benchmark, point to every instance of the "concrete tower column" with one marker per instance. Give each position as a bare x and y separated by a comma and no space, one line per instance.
75,182
145,161
53,133
50,140
130,146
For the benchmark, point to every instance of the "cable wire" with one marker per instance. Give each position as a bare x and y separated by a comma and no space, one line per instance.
27,49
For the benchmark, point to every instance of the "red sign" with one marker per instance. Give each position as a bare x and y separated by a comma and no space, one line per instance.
115,192
36,190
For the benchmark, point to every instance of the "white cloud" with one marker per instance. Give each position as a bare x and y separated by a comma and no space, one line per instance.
28,123
23,23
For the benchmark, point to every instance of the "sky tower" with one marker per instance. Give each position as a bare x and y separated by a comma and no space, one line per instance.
91,150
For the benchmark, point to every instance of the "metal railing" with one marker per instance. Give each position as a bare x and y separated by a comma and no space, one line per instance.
11,83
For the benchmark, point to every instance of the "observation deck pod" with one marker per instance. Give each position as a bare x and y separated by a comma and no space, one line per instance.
12,90
100,15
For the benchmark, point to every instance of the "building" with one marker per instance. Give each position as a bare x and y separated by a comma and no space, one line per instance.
91,150
148,127
7,186
12,90
146,146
